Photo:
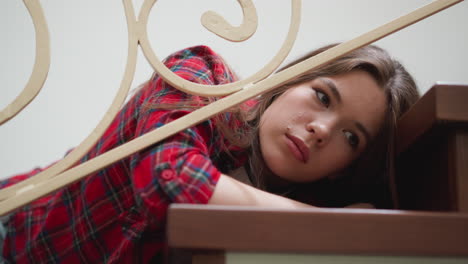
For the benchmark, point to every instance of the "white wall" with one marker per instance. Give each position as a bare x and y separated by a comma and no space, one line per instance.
88,44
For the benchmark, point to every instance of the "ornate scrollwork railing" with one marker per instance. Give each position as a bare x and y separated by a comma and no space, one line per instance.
59,175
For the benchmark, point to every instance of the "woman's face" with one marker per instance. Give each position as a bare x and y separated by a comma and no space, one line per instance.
317,128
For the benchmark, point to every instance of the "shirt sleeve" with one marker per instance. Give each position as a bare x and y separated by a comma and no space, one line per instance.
4,183
12,180
178,169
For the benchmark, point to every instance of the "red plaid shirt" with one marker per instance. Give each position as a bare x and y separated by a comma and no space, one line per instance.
117,215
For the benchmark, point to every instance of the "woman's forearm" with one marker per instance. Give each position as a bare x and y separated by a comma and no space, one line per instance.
229,191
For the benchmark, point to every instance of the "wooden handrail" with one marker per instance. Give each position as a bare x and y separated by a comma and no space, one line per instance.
330,231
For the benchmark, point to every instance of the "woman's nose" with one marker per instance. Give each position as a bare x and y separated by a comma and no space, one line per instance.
320,131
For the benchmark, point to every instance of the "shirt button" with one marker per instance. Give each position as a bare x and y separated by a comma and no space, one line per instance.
167,175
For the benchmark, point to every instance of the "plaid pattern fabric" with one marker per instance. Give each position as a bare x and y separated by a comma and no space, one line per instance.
117,215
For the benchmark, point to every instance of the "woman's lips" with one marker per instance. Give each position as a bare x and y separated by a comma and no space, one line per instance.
298,148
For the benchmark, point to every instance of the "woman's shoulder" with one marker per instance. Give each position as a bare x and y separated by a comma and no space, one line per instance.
200,64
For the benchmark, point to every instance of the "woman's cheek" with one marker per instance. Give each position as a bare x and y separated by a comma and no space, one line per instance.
337,157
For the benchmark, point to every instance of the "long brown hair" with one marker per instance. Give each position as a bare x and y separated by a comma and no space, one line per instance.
368,178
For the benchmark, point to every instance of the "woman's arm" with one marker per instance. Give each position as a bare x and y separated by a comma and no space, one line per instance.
229,191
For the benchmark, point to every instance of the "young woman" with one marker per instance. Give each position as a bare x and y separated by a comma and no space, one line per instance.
320,140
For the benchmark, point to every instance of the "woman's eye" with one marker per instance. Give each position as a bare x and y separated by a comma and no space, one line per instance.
323,98
352,139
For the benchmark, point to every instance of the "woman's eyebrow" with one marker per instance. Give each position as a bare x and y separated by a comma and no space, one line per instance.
331,85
